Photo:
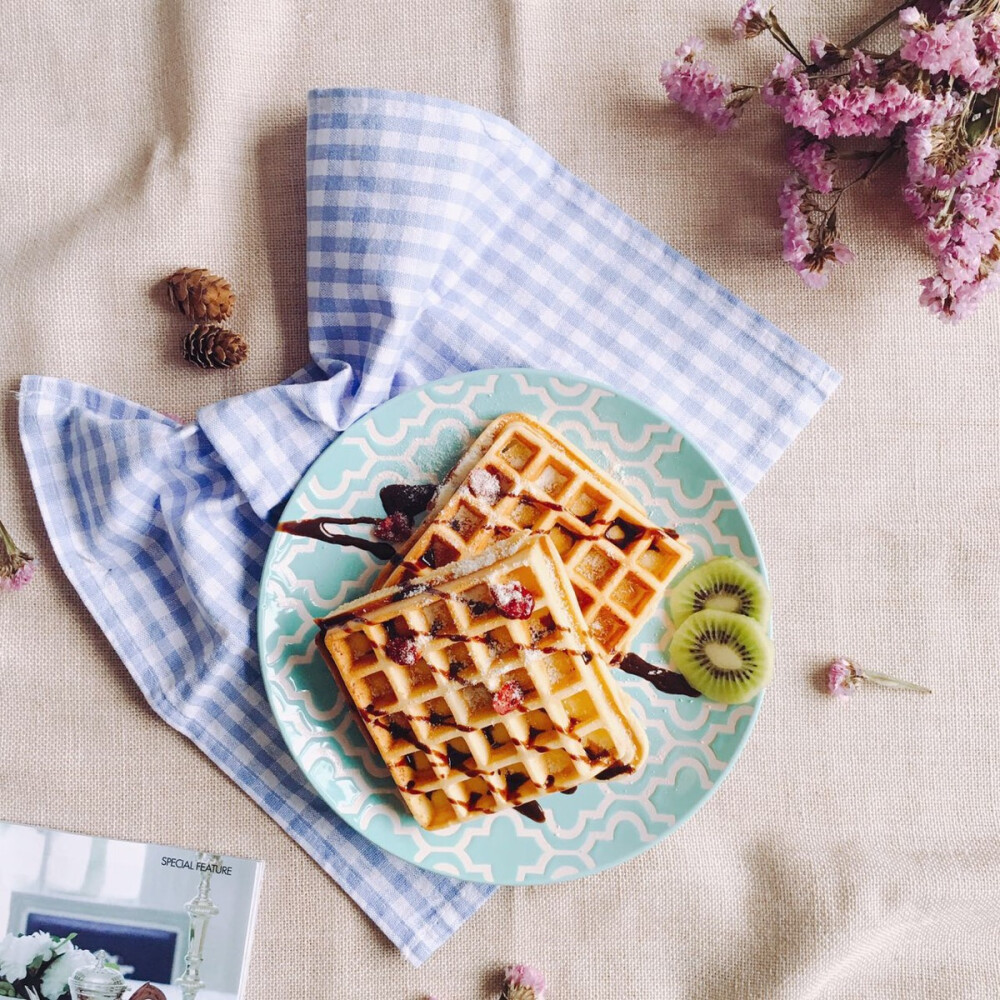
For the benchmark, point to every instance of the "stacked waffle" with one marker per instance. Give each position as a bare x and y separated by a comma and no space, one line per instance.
480,666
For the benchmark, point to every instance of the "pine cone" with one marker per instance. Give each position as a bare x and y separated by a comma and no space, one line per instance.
199,294
214,347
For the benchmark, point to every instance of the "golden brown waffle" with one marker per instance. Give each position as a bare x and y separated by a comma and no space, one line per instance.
458,738
519,475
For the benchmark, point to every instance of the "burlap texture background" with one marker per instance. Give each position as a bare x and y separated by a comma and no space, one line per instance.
853,851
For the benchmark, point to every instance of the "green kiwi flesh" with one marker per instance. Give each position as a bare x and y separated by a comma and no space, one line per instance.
723,584
727,657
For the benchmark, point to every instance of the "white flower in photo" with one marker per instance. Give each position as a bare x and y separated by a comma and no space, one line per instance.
18,951
55,981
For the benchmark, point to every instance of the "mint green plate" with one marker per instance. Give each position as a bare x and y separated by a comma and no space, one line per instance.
417,437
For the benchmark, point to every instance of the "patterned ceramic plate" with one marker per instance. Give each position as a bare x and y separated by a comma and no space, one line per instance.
417,437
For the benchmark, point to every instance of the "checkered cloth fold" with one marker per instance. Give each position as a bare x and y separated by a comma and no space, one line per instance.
440,239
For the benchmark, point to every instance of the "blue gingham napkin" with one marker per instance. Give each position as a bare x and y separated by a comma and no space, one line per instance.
440,239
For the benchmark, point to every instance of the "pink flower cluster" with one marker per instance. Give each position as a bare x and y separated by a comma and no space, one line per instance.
936,97
963,48
827,109
961,226
814,159
953,191
808,241
697,86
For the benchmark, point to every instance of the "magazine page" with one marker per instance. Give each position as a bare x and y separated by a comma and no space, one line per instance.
84,918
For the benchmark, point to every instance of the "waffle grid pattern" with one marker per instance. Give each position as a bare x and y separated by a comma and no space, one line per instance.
449,751
547,488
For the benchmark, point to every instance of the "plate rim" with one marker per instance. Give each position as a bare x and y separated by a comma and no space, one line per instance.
270,555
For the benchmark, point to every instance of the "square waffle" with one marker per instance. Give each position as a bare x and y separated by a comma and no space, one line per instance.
521,476
474,710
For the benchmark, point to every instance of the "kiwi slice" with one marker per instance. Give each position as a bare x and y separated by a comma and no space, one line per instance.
723,584
727,657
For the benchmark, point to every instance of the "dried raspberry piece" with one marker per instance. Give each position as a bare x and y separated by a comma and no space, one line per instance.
394,528
512,600
508,697
401,650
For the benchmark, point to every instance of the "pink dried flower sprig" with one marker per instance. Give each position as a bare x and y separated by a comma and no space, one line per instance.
522,982
750,21
698,87
809,234
935,94
843,676
16,566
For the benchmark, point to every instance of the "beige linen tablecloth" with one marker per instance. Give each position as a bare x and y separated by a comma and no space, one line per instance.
853,852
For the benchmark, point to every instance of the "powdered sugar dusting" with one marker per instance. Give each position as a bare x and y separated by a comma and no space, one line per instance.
485,486
504,593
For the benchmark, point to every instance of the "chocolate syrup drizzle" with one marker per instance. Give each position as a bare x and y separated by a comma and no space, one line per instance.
318,528
532,810
629,531
405,498
457,759
662,678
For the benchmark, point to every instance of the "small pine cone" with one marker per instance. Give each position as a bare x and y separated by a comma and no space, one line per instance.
214,347
200,295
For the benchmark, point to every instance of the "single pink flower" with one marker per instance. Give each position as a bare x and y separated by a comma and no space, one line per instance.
522,982
822,51
688,50
841,678
863,69
750,20
812,268
16,567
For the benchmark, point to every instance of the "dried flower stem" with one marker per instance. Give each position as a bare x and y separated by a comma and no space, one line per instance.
881,22
780,36
884,680
6,539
